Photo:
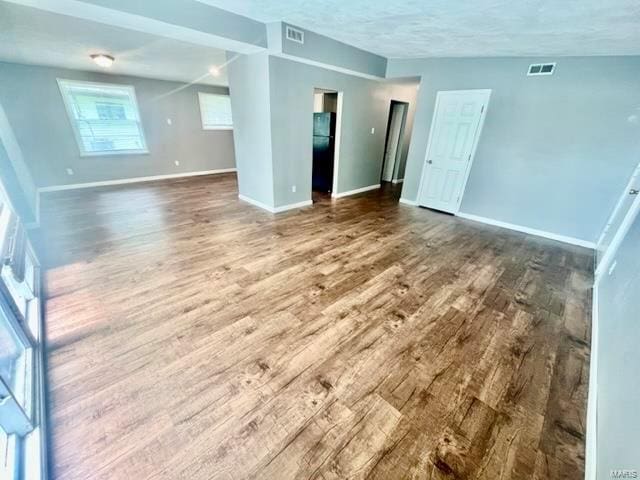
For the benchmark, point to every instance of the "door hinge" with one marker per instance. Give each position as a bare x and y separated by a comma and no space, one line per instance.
482,109
469,159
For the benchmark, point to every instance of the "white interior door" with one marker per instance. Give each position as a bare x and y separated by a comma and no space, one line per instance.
455,130
393,142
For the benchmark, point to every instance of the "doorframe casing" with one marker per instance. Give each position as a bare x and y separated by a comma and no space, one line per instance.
625,224
403,124
337,140
476,139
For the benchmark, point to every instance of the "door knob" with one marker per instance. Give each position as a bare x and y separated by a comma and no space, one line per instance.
634,191
429,162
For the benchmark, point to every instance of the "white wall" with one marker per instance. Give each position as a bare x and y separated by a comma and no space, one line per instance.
555,150
35,109
250,104
281,151
618,389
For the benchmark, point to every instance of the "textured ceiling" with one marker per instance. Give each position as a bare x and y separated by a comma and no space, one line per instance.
33,36
450,28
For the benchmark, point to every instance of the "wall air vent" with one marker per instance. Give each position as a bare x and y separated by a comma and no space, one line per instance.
295,35
541,69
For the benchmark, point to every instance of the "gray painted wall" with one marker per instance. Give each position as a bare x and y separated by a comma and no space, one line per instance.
618,359
15,174
250,103
35,109
19,199
196,16
273,100
365,105
319,48
555,151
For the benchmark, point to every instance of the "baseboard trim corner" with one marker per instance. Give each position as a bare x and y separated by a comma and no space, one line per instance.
269,208
590,471
256,203
531,231
123,181
292,206
355,192
406,201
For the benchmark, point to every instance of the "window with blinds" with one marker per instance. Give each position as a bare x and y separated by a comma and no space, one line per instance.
104,117
215,111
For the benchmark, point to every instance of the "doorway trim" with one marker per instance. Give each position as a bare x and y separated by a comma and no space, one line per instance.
623,228
403,124
476,139
337,142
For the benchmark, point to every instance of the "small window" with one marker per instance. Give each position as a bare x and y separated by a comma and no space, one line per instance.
215,111
104,117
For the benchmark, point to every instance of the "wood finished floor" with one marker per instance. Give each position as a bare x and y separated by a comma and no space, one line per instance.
194,336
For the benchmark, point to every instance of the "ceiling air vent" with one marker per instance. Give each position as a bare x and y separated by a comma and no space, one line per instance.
541,69
295,35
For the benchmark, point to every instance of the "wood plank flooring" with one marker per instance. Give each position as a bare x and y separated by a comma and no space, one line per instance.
194,336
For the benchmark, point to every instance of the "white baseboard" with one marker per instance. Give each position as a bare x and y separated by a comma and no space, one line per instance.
590,471
106,183
256,203
413,203
397,180
292,206
531,231
354,192
269,208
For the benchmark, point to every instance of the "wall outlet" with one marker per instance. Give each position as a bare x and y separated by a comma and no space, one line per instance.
294,188
169,121
373,130
69,171
177,162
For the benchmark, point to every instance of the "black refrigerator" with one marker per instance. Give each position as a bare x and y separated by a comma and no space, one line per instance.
324,130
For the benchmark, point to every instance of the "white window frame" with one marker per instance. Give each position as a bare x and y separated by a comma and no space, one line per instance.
76,133
212,127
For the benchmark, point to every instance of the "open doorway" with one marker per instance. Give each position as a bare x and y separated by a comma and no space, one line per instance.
394,142
327,112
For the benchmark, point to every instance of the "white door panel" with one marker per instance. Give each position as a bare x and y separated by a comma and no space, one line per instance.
455,129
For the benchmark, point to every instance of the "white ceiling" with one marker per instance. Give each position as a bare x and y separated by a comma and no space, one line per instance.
454,28
33,36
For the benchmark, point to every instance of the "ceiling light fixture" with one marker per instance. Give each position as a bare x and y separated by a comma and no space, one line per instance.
214,71
103,60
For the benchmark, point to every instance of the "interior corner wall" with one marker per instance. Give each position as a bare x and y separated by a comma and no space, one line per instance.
23,202
35,109
555,152
16,178
365,106
249,81
325,50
